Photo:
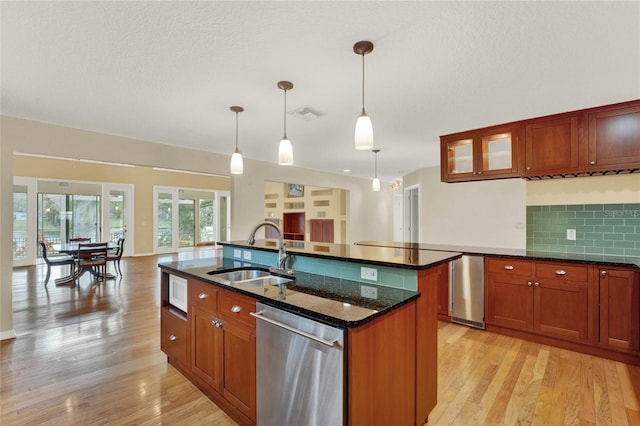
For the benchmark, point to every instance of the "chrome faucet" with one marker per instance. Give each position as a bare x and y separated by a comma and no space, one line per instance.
282,251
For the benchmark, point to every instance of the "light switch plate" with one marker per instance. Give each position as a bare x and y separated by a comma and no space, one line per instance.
571,234
368,292
237,253
370,274
246,255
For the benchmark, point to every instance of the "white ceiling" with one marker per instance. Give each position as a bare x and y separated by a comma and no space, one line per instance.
169,71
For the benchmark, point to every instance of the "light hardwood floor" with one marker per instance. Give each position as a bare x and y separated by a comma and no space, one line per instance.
91,355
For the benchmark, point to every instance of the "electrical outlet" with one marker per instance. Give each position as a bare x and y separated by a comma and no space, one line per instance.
246,255
571,234
370,274
368,292
237,253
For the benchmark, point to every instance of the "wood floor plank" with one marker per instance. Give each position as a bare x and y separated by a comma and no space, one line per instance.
91,355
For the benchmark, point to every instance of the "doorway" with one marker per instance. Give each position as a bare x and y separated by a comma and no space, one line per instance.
412,214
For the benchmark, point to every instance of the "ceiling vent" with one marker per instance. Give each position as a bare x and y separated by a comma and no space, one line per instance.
306,113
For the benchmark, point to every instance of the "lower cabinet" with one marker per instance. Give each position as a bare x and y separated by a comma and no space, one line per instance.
173,336
591,308
619,291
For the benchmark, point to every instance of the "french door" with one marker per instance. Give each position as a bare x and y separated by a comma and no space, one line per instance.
117,215
24,221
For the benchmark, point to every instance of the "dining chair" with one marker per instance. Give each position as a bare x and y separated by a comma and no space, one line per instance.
116,256
91,257
56,261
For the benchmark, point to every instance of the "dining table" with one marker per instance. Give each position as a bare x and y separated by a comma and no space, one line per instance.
72,249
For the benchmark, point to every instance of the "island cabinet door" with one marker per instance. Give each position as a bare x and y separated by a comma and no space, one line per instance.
239,368
620,309
205,347
509,302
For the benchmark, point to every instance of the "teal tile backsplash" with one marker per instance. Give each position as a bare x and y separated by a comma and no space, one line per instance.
610,229
406,279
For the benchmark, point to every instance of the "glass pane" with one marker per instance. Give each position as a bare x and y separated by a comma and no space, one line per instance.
496,152
206,221
461,156
116,215
222,217
165,220
19,221
52,220
85,217
186,223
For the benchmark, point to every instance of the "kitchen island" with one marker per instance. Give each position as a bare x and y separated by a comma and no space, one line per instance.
389,319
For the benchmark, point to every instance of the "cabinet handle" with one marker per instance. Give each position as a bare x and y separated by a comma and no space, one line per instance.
509,267
480,172
475,173
529,283
173,338
235,309
592,162
603,273
216,323
202,296
561,272
537,284
529,168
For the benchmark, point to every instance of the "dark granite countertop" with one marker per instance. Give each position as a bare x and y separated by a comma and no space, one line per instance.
333,301
407,258
514,253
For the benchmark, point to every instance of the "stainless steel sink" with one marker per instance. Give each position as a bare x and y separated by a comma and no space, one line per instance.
248,277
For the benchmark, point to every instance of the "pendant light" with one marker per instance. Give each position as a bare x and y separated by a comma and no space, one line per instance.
364,128
375,185
236,159
285,151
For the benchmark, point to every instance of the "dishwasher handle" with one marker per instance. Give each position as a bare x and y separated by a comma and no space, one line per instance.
258,315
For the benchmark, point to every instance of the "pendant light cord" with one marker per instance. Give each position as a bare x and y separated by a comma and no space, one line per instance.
236,131
376,167
285,114
363,82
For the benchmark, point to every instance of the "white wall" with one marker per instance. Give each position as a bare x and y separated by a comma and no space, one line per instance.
484,213
369,214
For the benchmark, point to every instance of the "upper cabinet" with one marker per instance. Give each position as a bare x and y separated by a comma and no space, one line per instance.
591,141
613,140
552,146
488,153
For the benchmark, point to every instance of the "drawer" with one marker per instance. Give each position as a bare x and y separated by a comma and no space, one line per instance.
515,267
203,295
173,336
562,271
235,307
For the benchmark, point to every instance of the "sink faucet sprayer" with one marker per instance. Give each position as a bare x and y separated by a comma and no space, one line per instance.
282,252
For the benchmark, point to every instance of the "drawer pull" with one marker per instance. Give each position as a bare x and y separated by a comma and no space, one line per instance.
235,309
537,284
202,296
173,338
592,162
509,267
529,283
561,272
603,273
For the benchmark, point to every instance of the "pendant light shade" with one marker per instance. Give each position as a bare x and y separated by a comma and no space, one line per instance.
375,185
285,150
364,128
236,166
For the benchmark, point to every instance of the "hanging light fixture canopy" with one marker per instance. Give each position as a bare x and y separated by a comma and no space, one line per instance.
236,166
364,128
375,185
285,150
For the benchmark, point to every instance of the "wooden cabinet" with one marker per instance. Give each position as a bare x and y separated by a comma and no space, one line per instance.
619,293
551,146
488,153
223,344
613,140
549,298
293,226
173,336
321,230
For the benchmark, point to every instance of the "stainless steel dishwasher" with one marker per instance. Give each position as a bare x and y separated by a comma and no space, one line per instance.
467,291
299,370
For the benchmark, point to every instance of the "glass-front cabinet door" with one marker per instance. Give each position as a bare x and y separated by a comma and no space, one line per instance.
488,153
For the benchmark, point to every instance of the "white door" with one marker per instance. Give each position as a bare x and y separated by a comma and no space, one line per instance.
25,240
412,214
224,216
397,217
117,215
